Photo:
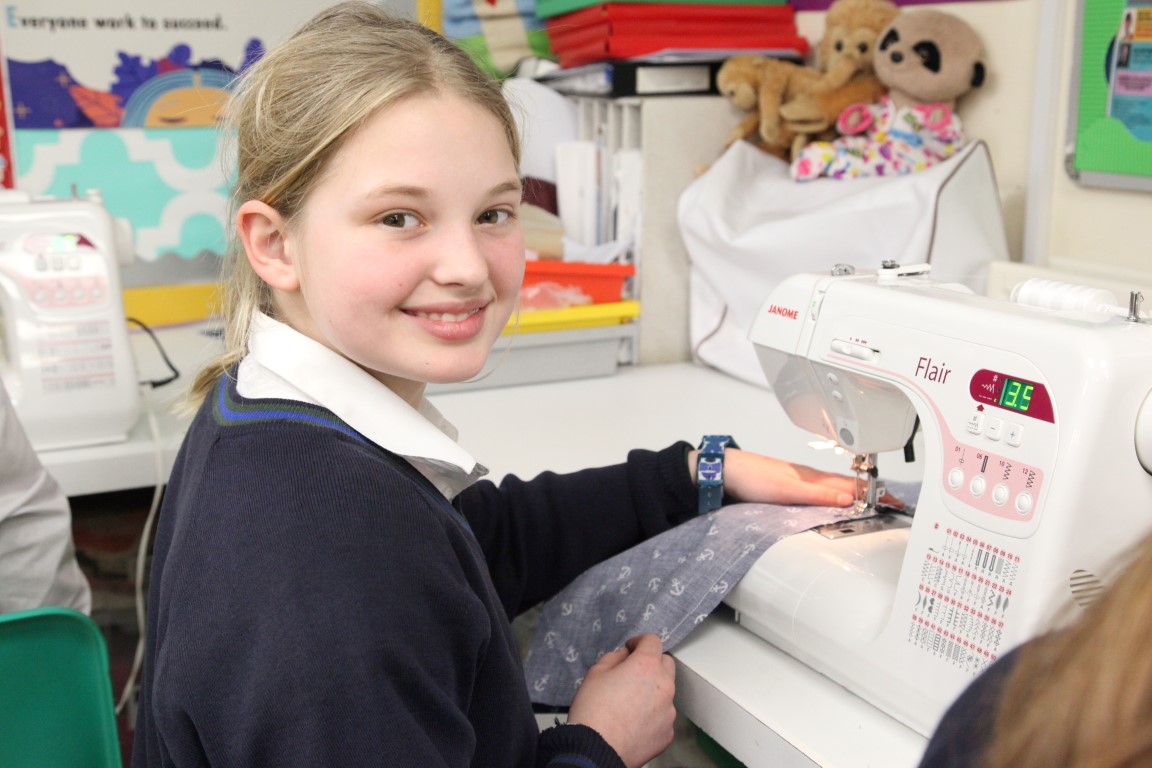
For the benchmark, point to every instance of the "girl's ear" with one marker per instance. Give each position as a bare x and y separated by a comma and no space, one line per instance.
262,233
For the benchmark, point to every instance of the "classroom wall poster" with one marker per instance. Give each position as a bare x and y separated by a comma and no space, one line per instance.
1113,111
123,97
7,173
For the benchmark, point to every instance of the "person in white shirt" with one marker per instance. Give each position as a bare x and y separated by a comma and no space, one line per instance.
37,556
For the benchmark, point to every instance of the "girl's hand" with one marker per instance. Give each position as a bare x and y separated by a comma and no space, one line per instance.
762,479
626,697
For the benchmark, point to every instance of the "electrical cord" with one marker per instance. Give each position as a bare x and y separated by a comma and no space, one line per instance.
142,554
146,535
163,355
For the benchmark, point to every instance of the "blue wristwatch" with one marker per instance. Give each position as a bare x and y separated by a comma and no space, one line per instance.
710,471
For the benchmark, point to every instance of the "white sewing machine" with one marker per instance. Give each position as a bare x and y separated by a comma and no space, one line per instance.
64,352
1037,448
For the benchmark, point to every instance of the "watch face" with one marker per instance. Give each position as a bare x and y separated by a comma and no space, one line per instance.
709,470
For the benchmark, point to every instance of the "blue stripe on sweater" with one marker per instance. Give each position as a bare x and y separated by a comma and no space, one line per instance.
227,412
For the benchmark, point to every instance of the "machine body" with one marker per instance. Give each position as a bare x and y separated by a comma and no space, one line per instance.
1033,422
65,357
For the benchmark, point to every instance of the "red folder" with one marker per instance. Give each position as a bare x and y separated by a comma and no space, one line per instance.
631,46
626,30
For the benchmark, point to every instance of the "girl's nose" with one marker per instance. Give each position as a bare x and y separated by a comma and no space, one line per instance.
462,260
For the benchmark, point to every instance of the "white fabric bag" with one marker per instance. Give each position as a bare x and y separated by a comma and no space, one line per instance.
747,225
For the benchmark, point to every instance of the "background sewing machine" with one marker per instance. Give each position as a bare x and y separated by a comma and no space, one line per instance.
64,352
1037,448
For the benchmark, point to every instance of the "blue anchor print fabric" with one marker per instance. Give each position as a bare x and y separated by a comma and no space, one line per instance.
666,586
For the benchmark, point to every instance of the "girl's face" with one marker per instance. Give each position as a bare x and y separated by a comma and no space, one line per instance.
409,253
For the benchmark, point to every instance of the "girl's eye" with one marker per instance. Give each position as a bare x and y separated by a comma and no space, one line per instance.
399,220
494,216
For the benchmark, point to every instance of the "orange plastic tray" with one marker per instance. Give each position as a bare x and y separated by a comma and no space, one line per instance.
603,283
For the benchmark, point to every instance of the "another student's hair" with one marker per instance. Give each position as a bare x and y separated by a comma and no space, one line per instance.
1081,697
292,111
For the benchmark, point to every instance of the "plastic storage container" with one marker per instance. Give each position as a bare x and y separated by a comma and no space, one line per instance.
603,283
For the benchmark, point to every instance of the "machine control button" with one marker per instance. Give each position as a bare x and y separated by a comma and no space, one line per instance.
1000,494
837,395
976,422
1015,434
842,347
956,478
1024,503
833,379
995,426
977,486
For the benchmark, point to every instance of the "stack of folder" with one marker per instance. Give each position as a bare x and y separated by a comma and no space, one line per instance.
584,31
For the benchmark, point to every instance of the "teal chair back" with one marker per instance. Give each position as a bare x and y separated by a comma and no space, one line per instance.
56,704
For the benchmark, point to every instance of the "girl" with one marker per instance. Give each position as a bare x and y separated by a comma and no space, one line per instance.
331,582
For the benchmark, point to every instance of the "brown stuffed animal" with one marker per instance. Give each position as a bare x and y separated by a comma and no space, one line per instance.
760,85
739,80
797,103
930,57
927,59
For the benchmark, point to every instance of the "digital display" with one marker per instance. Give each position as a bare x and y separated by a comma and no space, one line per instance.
1016,395
1019,396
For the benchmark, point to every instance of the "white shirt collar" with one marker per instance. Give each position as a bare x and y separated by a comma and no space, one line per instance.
284,363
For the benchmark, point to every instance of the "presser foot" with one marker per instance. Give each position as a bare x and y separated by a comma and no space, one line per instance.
855,526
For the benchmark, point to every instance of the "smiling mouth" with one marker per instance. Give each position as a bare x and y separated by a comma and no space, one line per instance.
445,317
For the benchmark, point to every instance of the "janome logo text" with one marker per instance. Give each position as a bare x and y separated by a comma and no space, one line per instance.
776,309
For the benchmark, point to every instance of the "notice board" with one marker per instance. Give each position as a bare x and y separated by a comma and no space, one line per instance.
1110,116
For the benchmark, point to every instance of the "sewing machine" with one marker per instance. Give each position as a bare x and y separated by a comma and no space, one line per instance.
65,358
1037,447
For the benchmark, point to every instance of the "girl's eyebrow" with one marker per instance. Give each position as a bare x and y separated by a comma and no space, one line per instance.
398,190
509,186
410,190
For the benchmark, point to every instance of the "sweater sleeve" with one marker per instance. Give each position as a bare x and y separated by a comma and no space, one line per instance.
538,535
575,746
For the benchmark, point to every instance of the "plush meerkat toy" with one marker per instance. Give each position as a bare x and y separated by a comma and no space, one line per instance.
927,59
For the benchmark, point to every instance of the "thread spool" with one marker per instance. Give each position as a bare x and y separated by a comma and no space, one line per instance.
1064,297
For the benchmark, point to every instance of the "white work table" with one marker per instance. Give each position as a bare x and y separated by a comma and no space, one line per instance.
758,703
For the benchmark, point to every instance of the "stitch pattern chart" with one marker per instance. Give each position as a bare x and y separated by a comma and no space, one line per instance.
963,599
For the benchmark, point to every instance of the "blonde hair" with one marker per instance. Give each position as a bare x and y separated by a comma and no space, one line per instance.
1082,696
291,112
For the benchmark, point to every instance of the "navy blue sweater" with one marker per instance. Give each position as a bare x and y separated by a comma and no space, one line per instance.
314,601
963,734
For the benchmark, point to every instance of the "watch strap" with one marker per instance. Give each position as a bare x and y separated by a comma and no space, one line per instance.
710,471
